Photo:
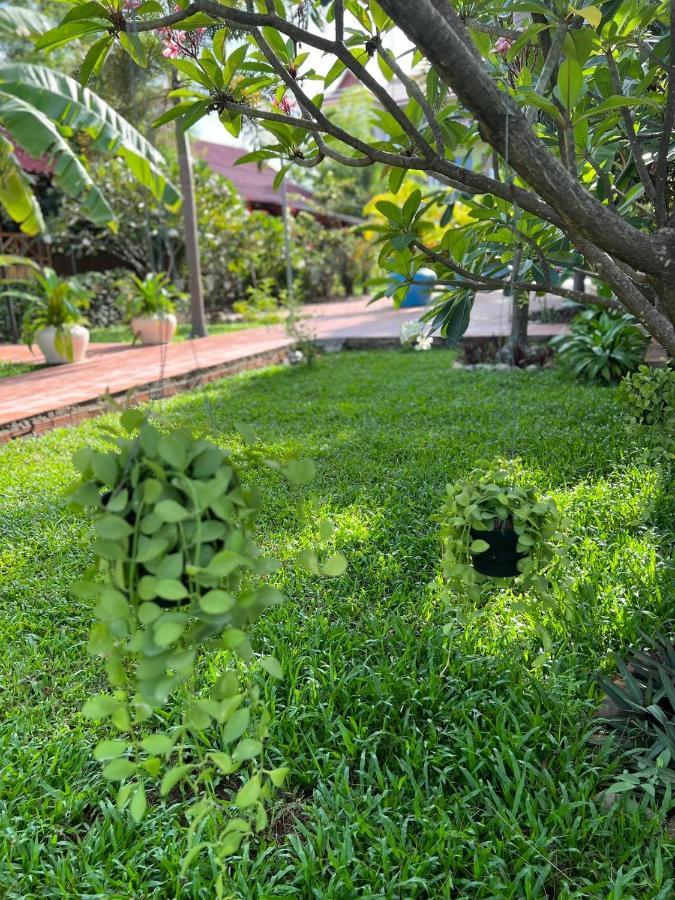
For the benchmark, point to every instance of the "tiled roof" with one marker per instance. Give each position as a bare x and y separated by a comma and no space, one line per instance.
254,183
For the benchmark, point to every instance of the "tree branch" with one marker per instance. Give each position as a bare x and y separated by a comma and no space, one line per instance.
437,30
414,91
629,126
661,205
484,282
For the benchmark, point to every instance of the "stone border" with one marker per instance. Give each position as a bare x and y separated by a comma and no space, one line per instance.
153,390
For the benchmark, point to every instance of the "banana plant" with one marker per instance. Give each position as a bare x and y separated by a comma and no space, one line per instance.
49,115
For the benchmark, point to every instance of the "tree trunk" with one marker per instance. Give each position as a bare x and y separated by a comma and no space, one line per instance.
198,316
520,311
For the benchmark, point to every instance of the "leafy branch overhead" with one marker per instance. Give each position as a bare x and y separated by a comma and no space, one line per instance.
550,122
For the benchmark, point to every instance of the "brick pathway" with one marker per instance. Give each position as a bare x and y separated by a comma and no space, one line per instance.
58,395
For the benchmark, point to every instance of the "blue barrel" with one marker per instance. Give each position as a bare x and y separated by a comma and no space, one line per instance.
419,292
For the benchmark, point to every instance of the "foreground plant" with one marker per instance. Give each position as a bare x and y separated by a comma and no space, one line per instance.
177,580
493,524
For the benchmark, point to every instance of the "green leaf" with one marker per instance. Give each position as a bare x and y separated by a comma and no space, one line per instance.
133,45
171,589
167,632
119,769
300,471
248,795
334,73
172,778
225,562
112,528
237,725
109,750
334,566
100,707
224,762
479,546
272,666
309,561
64,34
278,776
95,58
396,177
132,419
157,744
139,804
216,602
170,511
247,749
105,468
112,605
570,83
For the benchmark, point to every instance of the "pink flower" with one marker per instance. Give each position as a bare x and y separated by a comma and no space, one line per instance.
177,43
285,105
503,46
171,49
130,5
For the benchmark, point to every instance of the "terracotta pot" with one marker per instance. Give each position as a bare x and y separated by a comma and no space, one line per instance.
501,558
157,329
79,337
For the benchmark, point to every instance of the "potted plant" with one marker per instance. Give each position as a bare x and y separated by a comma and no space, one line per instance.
494,525
53,318
150,308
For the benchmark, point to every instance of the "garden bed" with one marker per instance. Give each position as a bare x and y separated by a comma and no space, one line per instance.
421,766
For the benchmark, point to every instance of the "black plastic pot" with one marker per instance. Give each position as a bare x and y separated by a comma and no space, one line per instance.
501,558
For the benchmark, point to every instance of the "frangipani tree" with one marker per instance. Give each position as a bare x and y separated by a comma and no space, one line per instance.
49,115
576,101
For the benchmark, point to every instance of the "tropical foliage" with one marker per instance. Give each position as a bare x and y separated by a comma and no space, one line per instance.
150,296
602,345
570,106
51,117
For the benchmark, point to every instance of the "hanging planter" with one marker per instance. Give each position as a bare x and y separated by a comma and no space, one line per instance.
501,558
493,525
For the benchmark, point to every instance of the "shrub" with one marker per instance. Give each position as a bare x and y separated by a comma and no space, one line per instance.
104,289
602,345
239,248
648,396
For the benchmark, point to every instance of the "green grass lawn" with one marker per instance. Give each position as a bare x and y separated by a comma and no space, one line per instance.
122,334
421,766
8,368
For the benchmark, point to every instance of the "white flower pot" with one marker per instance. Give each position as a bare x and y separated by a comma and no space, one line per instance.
154,329
79,337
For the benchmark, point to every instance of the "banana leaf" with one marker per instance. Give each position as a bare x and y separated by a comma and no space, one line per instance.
64,101
16,193
38,135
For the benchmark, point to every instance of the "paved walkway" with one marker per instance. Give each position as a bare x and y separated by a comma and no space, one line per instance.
56,395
